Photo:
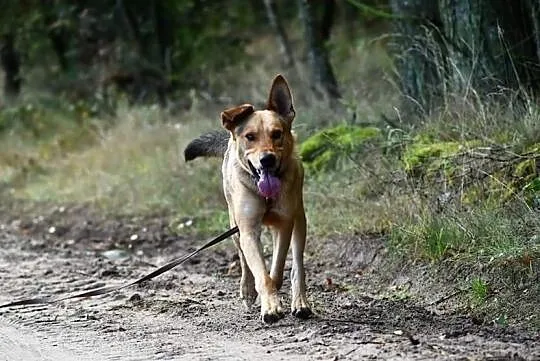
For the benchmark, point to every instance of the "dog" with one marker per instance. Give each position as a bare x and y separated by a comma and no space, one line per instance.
263,182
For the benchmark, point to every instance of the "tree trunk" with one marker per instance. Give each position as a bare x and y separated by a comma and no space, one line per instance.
57,34
453,46
534,9
132,26
162,26
327,21
284,44
10,62
322,74
495,42
420,56
350,15
59,44
163,31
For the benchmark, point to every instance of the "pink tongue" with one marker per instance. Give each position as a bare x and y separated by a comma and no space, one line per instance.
269,186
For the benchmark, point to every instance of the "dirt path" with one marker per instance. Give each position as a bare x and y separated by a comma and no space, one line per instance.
192,313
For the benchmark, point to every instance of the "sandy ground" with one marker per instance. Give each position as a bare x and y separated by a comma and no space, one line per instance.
193,312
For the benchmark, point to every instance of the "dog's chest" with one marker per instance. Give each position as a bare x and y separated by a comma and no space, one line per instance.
276,214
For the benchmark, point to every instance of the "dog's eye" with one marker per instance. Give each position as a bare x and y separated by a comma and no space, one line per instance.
250,137
276,134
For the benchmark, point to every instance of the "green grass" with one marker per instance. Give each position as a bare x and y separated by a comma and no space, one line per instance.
487,236
479,290
133,165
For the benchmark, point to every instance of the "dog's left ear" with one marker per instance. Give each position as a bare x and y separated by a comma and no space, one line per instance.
280,99
232,116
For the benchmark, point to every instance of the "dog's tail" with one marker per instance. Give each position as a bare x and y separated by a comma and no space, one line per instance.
213,144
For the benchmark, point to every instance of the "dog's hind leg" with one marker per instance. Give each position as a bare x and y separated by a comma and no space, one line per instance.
299,304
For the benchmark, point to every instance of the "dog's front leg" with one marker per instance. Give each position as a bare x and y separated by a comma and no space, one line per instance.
250,244
282,240
248,294
299,304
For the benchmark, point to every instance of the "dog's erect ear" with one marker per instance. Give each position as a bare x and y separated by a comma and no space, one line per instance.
280,99
232,116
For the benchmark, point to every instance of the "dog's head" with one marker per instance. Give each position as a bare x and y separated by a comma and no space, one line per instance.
264,142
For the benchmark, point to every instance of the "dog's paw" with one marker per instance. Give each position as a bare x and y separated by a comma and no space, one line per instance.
300,308
270,318
271,310
248,302
302,312
248,294
248,299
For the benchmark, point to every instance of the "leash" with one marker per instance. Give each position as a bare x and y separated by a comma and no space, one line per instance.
109,289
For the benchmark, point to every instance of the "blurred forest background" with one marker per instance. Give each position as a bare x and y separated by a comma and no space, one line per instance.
419,120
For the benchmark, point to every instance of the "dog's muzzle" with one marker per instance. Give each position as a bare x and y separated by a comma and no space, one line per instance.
256,173
267,180
268,160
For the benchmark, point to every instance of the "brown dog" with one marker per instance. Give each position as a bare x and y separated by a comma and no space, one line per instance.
262,181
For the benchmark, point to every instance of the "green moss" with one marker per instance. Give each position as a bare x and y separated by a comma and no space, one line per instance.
425,153
324,149
525,169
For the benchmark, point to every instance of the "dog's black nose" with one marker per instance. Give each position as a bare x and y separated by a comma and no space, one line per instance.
268,160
